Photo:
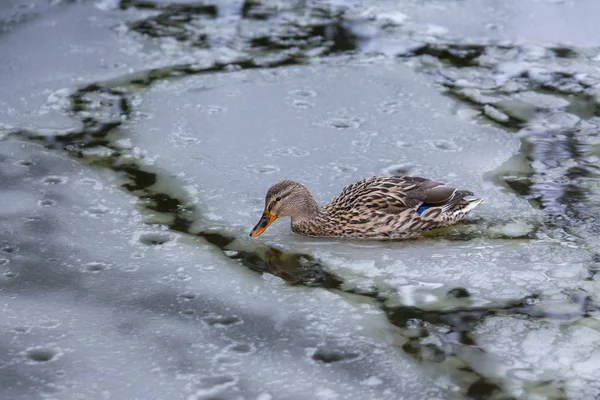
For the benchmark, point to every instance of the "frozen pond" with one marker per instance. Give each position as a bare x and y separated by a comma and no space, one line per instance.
137,142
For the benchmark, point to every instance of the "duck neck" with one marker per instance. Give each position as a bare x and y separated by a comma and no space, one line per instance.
309,210
311,221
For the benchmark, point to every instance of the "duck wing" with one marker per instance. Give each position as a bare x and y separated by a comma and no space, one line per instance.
394,193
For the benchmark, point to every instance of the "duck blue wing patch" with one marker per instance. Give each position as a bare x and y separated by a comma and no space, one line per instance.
422,209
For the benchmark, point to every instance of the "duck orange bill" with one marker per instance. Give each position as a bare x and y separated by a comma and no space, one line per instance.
266,220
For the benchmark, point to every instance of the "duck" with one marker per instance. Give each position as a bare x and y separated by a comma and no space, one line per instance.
379,207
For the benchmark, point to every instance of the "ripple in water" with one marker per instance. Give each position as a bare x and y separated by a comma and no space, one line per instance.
221,321
154,238
264,169
188,312
25,163
445,145
343,123
289,151
389,107
42,354
242,348
398,169
96,266
329,356
306,93
47,203
9,249
303,103
55,180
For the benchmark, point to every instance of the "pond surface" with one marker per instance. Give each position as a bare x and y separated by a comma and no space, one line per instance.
137,142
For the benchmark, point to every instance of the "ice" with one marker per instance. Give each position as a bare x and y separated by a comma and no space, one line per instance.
543,353
232,196
491,270
494,114
361,135
515,229
528,21
75,46
101,302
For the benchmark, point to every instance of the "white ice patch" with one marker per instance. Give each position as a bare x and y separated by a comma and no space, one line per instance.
106,300
526,352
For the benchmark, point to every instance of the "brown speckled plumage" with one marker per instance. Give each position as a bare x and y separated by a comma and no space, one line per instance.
380,207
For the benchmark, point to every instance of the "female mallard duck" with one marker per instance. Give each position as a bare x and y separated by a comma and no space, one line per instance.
380,207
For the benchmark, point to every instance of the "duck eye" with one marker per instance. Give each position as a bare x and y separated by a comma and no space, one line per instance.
278,198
